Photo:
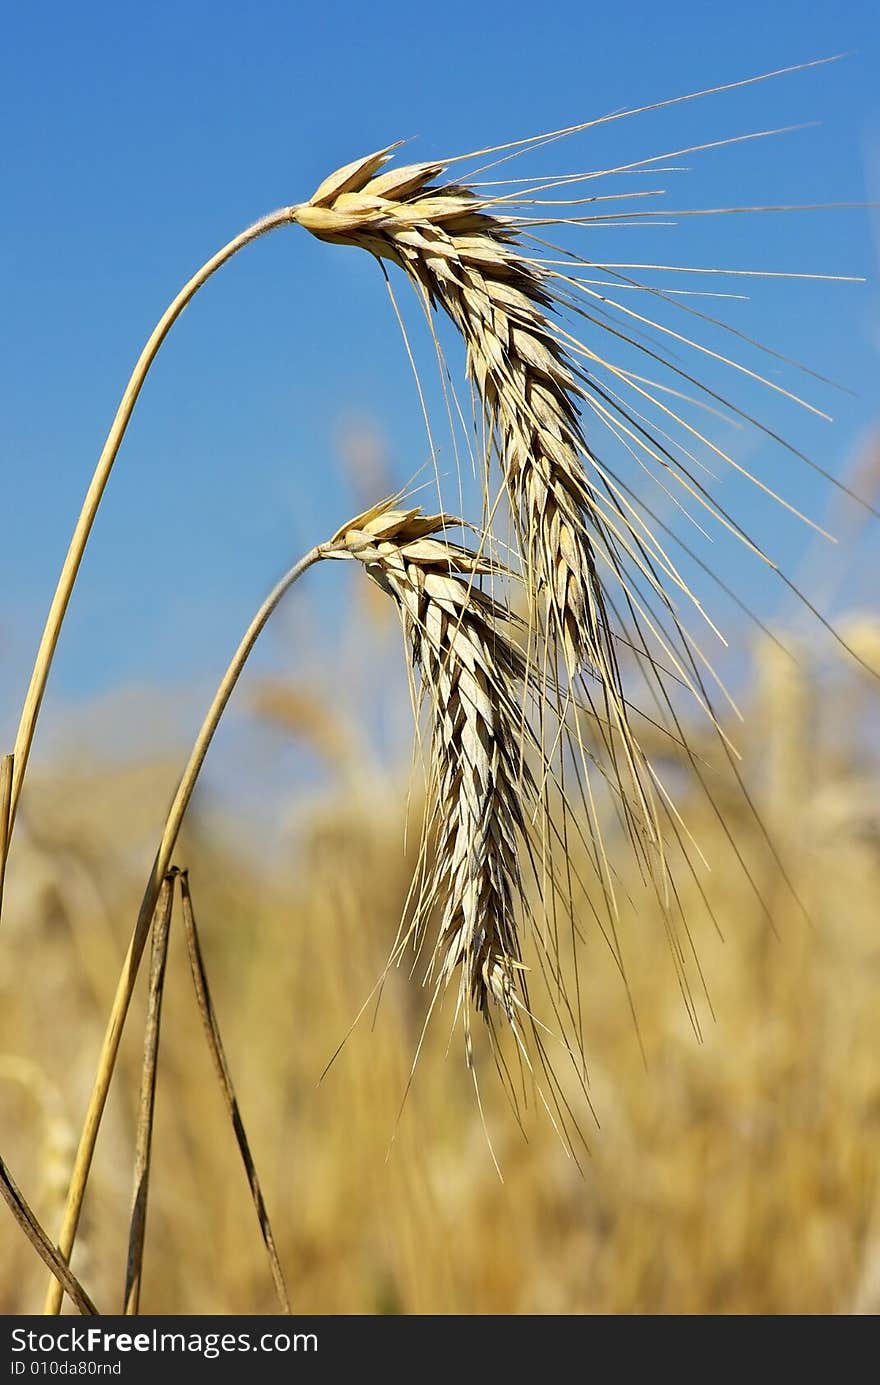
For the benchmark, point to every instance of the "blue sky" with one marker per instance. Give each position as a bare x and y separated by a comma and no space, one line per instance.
136,140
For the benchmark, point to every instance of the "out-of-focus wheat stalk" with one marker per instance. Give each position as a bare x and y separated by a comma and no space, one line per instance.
785,711
302,711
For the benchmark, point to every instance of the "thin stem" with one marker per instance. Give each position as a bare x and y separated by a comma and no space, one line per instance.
60,600
221,1067
14,1198
144,1141
125,987
6,771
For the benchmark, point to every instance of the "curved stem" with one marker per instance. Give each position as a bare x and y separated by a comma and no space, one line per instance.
6,768
161,865
60,600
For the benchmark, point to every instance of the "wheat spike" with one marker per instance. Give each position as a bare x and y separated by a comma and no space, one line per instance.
466,260
471,673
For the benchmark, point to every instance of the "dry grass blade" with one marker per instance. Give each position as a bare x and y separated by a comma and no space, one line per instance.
143,1144
215,1043
64,1276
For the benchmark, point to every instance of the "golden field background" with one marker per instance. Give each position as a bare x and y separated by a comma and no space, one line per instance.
737,1174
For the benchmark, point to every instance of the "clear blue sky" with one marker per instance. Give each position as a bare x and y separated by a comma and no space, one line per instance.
137,139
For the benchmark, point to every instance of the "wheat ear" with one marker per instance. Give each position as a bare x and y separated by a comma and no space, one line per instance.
471,673
467,260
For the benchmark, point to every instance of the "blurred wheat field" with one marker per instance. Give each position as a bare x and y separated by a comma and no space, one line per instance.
737,1174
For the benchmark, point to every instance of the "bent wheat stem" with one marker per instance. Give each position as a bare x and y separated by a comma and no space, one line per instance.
58,609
